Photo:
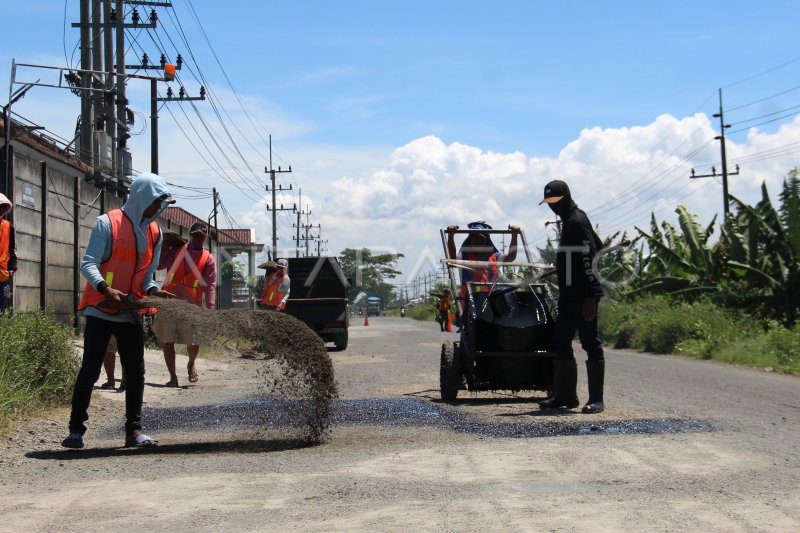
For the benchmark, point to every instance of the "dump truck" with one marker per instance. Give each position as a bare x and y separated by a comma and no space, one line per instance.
318,297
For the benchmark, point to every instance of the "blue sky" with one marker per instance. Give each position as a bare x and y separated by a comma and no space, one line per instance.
399,118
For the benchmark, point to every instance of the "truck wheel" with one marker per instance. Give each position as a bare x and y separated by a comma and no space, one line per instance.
449,372
340,340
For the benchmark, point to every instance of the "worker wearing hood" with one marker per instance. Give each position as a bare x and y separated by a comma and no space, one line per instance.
119,267
8,251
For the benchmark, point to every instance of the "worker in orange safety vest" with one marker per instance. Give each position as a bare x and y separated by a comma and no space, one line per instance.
119,267
276,288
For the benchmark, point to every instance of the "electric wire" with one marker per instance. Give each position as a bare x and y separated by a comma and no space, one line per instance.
220,170
732,109
754,76
216,58
209,89
764,116
764,122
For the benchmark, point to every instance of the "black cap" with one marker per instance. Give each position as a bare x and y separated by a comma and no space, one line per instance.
554,192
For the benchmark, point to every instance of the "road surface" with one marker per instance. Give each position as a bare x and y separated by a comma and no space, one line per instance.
684,445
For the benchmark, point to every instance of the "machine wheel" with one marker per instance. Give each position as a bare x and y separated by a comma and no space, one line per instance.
450,371
340,340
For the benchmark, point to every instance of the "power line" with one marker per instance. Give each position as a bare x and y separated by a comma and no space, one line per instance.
754,76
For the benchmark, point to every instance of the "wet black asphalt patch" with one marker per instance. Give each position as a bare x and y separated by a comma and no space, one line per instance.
273,414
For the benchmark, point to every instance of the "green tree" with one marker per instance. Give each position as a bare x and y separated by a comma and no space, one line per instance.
368,273
762,255
755,265
680,261
790,208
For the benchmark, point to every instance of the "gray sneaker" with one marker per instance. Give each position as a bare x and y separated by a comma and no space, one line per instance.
74,440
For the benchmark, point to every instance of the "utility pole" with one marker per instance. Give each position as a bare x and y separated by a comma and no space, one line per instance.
320,242
213,214
725,173
118,19
108,97
154,99
308,238
274,208
85,154
216,255
298,225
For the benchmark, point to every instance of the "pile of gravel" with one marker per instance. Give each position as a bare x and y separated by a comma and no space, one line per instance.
296,369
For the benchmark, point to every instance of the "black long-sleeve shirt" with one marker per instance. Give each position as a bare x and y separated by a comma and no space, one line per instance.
577,248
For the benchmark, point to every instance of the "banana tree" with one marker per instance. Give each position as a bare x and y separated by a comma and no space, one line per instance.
763,257
680,262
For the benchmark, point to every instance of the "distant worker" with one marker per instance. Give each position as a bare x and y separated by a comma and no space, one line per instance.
276,287
119,266
402,311
579,292
192,277
479,247
8,252
443,308
109,364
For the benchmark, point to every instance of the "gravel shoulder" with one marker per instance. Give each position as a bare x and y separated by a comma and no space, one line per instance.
744,475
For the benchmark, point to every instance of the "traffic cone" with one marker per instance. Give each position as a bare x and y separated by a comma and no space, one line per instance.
366,319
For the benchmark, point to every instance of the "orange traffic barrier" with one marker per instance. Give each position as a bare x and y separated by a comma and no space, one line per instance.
366,319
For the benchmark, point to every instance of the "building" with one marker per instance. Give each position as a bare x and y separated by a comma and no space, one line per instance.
56,200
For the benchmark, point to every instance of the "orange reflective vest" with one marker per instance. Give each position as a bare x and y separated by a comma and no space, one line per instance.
185,272
444,304
481,274
272,296
5,253
126,268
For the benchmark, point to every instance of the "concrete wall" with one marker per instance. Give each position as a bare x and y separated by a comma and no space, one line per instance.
46,211
54,210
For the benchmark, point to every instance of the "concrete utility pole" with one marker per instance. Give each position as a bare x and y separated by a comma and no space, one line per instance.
154,99
216,255
122,127
297,225
86,152
108,99
308,237
725,173
274,208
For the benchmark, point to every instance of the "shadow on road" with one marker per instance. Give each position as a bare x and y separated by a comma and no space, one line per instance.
235,446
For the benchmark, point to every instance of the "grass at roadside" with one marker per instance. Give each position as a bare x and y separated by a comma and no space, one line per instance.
421,312
37,364
701,330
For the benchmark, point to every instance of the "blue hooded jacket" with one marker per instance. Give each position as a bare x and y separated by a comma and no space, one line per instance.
145,189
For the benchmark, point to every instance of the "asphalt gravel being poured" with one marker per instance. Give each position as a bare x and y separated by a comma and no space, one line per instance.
297,394
296,384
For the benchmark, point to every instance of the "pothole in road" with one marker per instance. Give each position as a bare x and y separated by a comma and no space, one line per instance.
272,414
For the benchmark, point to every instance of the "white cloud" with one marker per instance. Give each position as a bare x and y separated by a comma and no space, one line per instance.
618,175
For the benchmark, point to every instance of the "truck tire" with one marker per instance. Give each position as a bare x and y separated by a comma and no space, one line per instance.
450,371
340,340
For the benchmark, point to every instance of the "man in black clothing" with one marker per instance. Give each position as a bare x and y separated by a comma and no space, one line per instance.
578,294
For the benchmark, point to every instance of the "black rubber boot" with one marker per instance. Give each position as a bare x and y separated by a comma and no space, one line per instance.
565,382
595,370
